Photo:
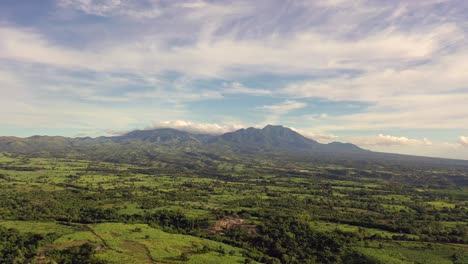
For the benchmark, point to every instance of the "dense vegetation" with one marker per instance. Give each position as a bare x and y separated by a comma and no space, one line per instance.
16,247
185,203
259,210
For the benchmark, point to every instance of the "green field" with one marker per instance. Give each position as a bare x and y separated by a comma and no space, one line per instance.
234,213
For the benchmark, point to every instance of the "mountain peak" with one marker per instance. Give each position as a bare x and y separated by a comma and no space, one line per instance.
267,127
159,135
271,136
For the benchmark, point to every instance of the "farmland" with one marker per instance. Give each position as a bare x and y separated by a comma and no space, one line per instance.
259,210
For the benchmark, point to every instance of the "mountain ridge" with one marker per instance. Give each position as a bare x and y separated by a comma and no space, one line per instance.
268,137
150,144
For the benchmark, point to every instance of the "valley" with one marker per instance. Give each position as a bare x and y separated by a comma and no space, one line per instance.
233,207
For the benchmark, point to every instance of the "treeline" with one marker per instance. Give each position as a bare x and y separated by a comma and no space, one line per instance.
84,254
16,247
83,206
291,240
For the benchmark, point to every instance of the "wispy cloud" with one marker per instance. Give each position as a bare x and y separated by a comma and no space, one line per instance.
321,137
283,107
239,88
112,8
198,128
389,140
131,62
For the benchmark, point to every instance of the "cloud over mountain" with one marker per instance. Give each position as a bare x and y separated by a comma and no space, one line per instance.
346,68
199,128
389,140
463,141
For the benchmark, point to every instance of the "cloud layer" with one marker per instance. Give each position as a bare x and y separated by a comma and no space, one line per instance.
197,128
388,140
328,67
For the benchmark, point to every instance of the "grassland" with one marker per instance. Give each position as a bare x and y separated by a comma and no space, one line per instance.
141,214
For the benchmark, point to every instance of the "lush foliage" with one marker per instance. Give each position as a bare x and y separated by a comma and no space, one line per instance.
239,208
16,247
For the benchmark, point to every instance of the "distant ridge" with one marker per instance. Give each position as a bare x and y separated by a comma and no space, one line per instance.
270,136
148,145
162,135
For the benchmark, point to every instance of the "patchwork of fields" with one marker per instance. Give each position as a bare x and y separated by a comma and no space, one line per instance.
148,214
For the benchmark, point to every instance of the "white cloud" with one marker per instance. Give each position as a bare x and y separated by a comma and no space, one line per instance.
389,140
423,111
409,146
194,4
31,47
430,95
284,107
199,128
218,57
333,3
411,73
238,88
321,137
463,141
47,99
214,49
112,8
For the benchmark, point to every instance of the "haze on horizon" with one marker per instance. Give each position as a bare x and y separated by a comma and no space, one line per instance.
386,75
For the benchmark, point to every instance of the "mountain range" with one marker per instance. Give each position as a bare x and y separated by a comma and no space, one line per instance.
269,138
144,146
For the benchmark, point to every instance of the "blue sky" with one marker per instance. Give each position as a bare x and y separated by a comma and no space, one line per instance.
386,75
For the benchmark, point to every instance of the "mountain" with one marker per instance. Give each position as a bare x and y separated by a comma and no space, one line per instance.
147,146
282,139
250,139
348,147
162,136
172,146
269,137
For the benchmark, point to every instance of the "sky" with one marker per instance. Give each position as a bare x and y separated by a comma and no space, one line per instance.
387,75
